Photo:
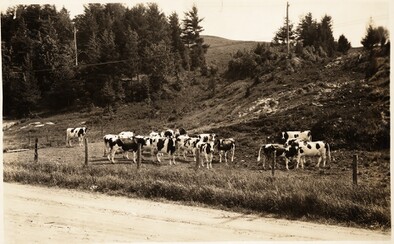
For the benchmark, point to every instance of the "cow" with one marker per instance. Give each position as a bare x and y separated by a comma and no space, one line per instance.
302,149
107,140
126,144
78,132
167,133
207,137
126,134
180,132
185,143
154,134
225,145
273,150
300,135
123,134
166,145
206,149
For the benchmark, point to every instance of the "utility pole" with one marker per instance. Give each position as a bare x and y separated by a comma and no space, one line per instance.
75,46
287,26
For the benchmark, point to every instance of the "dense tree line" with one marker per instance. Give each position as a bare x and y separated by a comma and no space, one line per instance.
124,54
310,40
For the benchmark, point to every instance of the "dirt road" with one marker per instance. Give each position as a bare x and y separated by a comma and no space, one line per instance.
42,215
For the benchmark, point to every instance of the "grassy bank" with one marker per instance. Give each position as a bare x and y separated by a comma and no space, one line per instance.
290,195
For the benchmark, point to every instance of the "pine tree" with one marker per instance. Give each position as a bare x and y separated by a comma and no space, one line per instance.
307,30
280,37
191,37
343,44
176,43
326,38
371,38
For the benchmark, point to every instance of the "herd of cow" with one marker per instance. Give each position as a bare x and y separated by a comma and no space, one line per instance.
296,145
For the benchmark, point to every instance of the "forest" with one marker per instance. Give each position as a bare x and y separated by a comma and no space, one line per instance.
112,54
118,48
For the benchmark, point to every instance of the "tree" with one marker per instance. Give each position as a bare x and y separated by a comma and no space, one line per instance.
343,44
280,37
307,30
326,38
130,53
191,37
177,45
383,35
159,63
371,38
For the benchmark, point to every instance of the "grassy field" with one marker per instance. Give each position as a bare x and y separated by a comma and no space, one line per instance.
323,195
336,102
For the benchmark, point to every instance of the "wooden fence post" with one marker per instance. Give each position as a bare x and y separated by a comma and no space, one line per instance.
273,163
36,151
86,151
47,135
355,168
139,156
197,158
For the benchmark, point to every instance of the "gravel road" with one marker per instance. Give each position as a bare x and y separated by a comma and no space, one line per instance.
53,215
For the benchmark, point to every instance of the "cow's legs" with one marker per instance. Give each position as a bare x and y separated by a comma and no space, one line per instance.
298,161
111,155
318,161
173,159
233,152
287,163
126,154
220,156
134,157
225,157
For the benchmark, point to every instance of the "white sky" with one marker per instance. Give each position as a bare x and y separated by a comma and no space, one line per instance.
258,20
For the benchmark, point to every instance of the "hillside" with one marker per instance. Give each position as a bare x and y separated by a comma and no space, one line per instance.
220,50
331,97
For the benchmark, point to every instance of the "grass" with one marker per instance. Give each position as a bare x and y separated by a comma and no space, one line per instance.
289,194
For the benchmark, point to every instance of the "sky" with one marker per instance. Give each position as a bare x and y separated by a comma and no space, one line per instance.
257,20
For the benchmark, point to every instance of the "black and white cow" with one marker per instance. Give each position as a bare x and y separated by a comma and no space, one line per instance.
167,133
271,150
115,142
207,137
226,145
180,132
185,143
78,132
300,135
206,150
302,149
166,145
125,134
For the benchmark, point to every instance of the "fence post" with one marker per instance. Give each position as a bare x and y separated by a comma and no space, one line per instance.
139,156
36,151
355,168
273,163
86,151
29,138
197,158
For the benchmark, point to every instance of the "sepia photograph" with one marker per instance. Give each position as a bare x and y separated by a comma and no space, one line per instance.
195,121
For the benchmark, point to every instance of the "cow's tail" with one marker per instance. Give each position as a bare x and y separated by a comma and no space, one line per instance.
328,152
259,158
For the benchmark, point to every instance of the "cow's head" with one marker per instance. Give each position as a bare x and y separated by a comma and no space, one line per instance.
82,131
292,148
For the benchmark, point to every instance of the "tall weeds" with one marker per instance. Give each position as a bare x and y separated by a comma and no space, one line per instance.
292,196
